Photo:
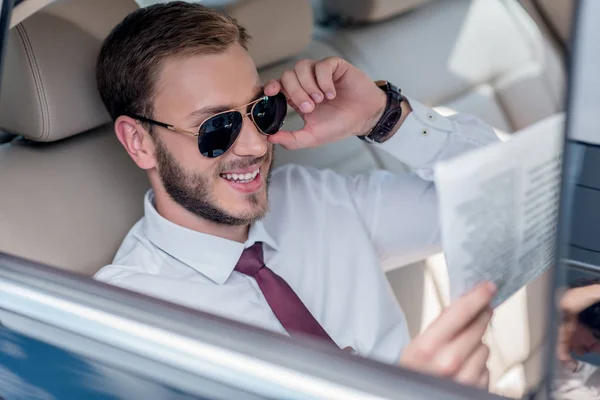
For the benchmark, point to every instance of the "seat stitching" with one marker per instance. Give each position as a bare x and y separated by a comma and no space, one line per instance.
37,78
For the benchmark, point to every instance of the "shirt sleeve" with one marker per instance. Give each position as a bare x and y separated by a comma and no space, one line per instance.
400,211
427,137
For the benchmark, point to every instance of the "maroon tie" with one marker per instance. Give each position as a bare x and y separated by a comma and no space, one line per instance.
284,303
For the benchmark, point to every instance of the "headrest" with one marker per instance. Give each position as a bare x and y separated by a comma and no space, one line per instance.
360,11
280,29
98,17
48,86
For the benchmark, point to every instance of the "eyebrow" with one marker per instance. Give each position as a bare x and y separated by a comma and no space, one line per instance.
209,110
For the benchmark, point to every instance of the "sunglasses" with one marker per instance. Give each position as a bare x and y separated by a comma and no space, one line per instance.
218,133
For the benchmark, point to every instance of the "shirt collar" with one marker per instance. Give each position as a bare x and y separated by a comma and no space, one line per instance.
212,256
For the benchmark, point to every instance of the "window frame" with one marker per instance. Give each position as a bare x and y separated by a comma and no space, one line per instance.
193,343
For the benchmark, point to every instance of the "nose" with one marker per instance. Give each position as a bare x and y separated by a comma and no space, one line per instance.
251,141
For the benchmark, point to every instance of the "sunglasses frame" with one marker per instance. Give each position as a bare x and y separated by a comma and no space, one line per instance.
175,129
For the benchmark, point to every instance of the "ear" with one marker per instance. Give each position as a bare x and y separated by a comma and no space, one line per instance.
137,141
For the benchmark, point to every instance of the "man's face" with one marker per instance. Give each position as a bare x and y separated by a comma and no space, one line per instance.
585,340
189,90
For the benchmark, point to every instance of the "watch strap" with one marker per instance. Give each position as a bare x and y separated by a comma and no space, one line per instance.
391,115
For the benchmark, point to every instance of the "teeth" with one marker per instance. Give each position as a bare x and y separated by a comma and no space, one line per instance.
242,178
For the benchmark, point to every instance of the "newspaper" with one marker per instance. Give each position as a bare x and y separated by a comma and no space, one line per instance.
498,210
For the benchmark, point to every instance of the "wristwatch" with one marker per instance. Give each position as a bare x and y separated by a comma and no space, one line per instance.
391,115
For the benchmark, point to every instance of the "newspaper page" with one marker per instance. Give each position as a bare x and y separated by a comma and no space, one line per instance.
498,210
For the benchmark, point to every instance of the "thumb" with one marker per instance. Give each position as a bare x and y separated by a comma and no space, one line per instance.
293,140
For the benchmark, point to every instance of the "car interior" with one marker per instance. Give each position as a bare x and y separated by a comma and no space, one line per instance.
74,193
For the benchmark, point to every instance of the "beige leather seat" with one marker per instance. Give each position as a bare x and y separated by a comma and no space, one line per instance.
485,57
72,192
69,191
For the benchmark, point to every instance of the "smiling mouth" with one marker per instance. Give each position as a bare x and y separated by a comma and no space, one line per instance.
241,178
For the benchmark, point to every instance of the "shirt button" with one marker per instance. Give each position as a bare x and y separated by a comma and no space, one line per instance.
431,117
424,132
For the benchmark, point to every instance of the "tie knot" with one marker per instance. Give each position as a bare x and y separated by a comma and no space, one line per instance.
251,260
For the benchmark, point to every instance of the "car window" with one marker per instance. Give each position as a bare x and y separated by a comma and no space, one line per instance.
53,373
230,201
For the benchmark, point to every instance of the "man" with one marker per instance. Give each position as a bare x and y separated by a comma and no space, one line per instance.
306,255
579,334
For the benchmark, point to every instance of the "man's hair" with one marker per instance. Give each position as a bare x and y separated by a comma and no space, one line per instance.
590,317
132,55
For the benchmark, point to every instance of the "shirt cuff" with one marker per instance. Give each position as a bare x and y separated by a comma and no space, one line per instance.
420,138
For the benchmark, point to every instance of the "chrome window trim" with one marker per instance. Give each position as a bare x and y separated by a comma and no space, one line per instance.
223,351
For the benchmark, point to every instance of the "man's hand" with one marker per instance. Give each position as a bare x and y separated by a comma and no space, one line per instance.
452,345
572,303
335,99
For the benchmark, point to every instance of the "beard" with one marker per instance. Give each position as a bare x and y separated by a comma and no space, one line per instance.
192,191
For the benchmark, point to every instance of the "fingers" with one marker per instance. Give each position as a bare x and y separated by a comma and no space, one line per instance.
454,357
272,87
324,73
311,82
459,315
293,140
474,370
452,346
297,94
305,71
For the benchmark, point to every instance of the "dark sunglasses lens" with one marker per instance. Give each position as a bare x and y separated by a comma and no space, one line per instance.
269,113
218,134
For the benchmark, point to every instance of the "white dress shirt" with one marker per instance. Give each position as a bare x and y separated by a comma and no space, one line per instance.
581,384
328,235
